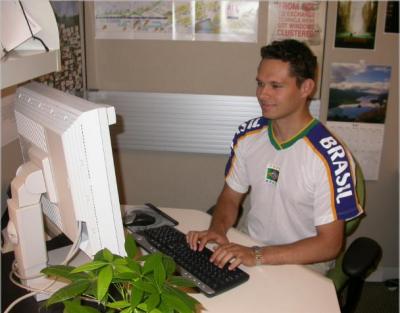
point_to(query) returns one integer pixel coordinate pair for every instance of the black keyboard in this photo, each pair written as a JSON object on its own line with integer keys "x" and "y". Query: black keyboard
{"x": 195, "y": 265}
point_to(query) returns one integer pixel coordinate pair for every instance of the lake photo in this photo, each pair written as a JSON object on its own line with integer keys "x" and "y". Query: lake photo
{"x": 358, "y": 93}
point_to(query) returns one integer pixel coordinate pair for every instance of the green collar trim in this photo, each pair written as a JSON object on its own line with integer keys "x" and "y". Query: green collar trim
{"x": 302, "y": 133}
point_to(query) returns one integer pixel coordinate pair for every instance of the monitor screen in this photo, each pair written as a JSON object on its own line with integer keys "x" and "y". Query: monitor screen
{"x": 68, "y": 171}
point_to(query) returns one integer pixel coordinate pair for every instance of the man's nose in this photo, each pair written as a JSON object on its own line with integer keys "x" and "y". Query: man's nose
{"x": 265, "y": 92}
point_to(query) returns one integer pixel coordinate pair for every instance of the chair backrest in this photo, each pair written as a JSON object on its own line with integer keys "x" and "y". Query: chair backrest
{"x": 336, "y": 274}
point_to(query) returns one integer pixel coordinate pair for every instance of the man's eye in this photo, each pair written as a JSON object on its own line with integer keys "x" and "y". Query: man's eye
{"x": 260, "y": 84}
{"x": 275, "y": 86}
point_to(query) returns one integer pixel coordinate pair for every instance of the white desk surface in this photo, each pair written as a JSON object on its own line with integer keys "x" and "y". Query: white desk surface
{"x": 271, "y": 288}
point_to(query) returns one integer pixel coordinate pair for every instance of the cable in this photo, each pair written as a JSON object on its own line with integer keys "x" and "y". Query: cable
{"x": 19, "y": 300}
{"x": 34, "y": 291}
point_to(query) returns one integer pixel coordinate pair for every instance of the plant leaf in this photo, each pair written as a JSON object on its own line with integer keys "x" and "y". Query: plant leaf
{"x": 118, "y": 304}
{"x": 169, "y": 265}
{"x": 146, "y": 287}
{"x": 58, "y": 271}
{"x": 98, "y": 256}
{"x": 90, "y": 266}
{"x": 136, "y": 297}
{"x": 152, "y": 301}
{"x": 130, "y": 246}
{"x": 127, "y": 310}
{"x": 76, "y": 307}
{"x": 159, "y": 272}
{"x": 176, "y": 303}
{"x": 165, "y": 308}
{"x": 180, "y": 281}
{"x": 184, "y": 297}
{"x": 134, "y": 266}
{"x": 122, "y": 268}
{"x": 124, "y": 277}
{"x": 103, "y": 281}
{"x": 107, "y": 255}
{"x": 120, "y": 261}
{"x": 76, "y": 288}
{"x": 64, "y": 272}
{"x": 154, "y": 260}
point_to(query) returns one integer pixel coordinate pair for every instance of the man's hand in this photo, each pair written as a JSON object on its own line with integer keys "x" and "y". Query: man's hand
{"x": 197, "y": 240}
{"x": 234, "y": 253}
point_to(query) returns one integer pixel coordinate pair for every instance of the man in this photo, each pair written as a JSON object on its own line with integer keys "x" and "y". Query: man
{"x": 302, "y": 179}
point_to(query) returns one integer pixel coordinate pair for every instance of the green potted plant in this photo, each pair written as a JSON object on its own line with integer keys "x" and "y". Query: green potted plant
{"x": 128, "y": 284}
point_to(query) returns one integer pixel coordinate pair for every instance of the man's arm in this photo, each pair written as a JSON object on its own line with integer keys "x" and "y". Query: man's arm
{"x": 227, "y": 210}
{"x": 224, "y": 216}
{"x": 326, "y": 245}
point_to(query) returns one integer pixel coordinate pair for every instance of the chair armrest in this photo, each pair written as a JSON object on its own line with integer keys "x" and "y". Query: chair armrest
{"x": 362, "y": 255}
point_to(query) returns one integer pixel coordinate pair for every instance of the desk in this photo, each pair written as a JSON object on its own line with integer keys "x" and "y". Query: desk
{"x": 271, "y": 288}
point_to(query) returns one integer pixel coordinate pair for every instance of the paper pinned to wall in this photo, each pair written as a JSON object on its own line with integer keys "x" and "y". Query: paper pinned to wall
{"x": 358, "y": 99}
{"x": 300, "y": 20}
{"x": 178, "y": 20}
{"x": 365, "y": 141}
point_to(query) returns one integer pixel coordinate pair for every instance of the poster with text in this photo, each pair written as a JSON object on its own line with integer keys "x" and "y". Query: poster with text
{"x": 301, "y": 20}
{"x": 356, "y": 24}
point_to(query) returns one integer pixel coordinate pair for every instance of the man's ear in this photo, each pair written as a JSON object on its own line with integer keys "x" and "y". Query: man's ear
{"x": 307, "y": 88}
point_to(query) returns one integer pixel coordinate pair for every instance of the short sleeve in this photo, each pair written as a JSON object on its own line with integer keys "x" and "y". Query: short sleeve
{"x": 236, "y": 174}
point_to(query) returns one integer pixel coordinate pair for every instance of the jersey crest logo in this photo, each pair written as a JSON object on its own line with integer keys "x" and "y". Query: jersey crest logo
{"x": 272, "y": 174}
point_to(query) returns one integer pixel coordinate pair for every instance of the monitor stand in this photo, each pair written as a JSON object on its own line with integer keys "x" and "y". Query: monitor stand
{"x": 26, "y": 231}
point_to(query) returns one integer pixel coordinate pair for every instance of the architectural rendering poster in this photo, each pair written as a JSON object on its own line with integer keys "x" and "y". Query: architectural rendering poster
{"x": 356, "y": 24}
{"x": 358, "y": 99}
{"x": 392, "y": 17}
{"x": 301, "y": 20}
{"x": 177, "y": 20}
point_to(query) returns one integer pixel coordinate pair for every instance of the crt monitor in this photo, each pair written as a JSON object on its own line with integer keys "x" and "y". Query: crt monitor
{"x": 67, "y": 174}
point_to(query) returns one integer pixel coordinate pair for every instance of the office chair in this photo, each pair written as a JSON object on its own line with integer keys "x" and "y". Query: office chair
{"x": 360, "y": 259}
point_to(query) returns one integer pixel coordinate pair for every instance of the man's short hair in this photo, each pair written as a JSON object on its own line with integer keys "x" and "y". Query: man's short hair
{"x": 302, "y": 61}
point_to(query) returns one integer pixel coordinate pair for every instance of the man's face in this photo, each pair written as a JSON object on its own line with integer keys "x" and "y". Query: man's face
{"x": 277, "y": 92}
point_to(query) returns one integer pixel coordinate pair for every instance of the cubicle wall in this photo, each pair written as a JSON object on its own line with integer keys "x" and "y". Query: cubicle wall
{"x": 187, "y": 179}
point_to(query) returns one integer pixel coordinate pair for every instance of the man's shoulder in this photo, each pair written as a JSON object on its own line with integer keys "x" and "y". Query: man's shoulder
{"x": 251, "y": 126}
{"x": 320, "y": 135}
{"x": 318, "y": 132}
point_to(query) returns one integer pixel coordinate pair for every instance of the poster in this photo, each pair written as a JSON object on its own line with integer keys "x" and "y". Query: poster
{"x": 358, "y": 92}
{"x": 133, "y": 20}
{"x": 392, "y": 17}
{"x": 358, "y": 100}
{"x": 356, "y": 24}
{"x": 226, "y": 20}
{"x": 177, "y": 20}
{"x": 301, "y": 20}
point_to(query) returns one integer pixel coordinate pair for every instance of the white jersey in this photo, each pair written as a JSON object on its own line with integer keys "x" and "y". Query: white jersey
{"x": 295, "y": 186}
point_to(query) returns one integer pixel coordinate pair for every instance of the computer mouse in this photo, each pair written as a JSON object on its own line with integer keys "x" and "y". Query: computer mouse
{"x": 139, "y": 219}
